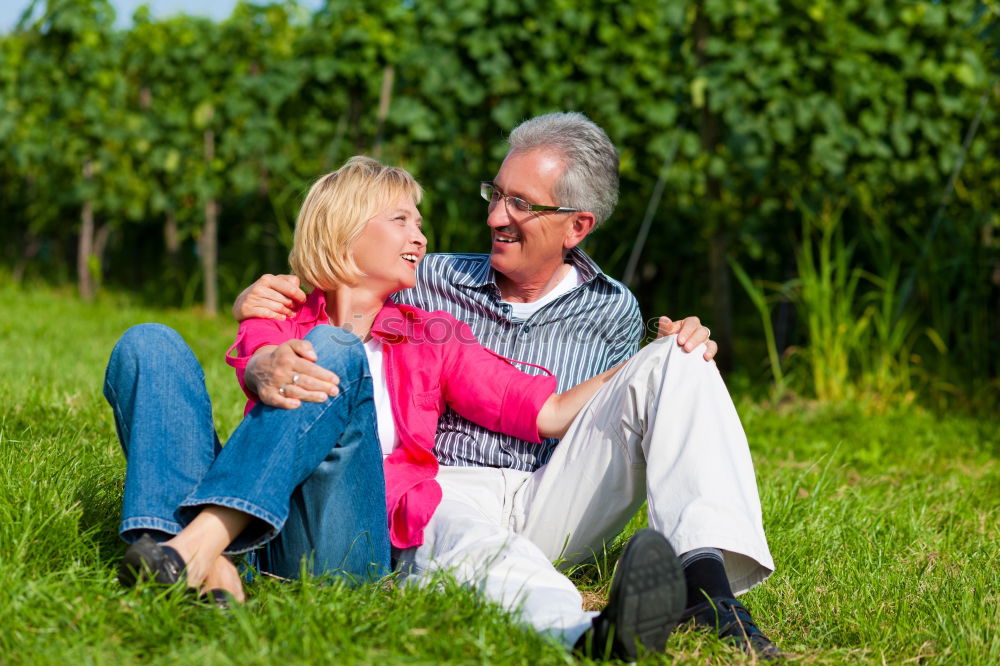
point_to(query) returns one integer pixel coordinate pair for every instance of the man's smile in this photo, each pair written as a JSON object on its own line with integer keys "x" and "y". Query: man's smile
{"x": 504, "y": 237}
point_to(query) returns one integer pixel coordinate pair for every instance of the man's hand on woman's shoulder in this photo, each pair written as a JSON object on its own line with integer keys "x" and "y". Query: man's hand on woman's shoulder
{"x": 690, "y": 333}
{"x": 270, "y": 297}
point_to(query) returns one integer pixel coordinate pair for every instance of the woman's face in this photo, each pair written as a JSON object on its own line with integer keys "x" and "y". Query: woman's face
{"x": 390, "y": 247}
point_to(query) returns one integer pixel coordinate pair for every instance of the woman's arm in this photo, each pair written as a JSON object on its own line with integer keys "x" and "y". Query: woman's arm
{"x": 489, "y": 390}
{"x": 560, "y": 409}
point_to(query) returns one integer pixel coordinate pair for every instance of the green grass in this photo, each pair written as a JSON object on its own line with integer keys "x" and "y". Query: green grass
{"x": 884, "y": 529}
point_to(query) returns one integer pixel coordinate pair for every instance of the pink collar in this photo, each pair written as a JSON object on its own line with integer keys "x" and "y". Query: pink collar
{"x": 391, "y": 326}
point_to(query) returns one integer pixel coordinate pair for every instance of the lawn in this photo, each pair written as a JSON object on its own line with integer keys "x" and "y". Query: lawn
{"x": 883, "y": 527}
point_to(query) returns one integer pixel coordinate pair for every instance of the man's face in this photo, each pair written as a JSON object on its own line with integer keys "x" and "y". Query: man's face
{"x": 529, "y": 245}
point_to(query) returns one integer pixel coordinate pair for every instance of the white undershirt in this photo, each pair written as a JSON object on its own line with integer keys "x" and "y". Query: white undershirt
{"x": 571, "y": 280}
{"x": 380, "y": 390}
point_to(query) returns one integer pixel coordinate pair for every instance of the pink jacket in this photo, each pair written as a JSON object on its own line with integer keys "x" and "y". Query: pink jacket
{"x": 431, "y": 360}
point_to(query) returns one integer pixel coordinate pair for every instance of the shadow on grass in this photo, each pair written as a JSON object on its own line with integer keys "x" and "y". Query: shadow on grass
{"x": 99, "y": 497}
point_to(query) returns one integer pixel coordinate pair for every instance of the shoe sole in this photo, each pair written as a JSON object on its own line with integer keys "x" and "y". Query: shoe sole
{"x": 647, "y": 596}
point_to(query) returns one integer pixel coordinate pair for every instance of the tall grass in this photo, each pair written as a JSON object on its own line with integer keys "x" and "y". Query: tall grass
{"x": 825, "y": 293}
{"x": 859, "y": 339}
{"x": 758, "y": 291}
{"x": 886, "y": 363}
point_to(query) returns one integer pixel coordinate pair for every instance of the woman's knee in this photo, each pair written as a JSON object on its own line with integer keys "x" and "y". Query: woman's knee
{"x": 145, "y": 345}
{"x": 337, "y": 348}
{"x": 142, "y": 339}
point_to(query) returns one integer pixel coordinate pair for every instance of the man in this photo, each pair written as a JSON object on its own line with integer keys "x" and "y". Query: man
{"x": 663, "y": 430}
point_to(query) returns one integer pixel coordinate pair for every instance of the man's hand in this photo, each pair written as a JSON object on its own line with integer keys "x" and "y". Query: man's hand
{"x": 270, "y": 297}
{"x": 285, "y": 375}
{"x": 690, "y": 334}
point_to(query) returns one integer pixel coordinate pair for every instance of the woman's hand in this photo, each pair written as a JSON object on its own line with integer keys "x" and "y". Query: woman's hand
{"x": 559, "y": 410}
{"x": 690, "y": 333}
{"x": 270, "y": 297}
{"x": 284, "y": 375}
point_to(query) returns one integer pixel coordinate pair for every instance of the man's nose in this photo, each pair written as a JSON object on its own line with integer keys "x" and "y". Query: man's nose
{"x": 497, "y": 216}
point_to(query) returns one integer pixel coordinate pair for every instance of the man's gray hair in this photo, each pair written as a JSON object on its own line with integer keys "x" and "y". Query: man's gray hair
{"x": 590, "y": 181}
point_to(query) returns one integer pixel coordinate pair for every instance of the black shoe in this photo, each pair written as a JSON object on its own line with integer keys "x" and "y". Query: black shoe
{"x": 732, "y": 622}
{"x": 147, "y": 560}
{"x": 646, "y": 600}
{"x": 217, "y": 598}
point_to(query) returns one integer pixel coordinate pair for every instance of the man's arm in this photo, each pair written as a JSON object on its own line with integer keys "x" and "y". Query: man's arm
{"x": 285, "y": 375}
{"x": 628, "y": 333}
{"x": 270, "y": 297}
{"x": 630, "y": 329}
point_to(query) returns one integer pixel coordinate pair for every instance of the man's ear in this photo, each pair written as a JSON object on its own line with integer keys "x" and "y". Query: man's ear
{"x": 583, "y": 223}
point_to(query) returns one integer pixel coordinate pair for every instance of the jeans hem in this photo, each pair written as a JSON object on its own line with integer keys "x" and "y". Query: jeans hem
{"x": 241, "y": 544}
{"x": 147, "y": 523}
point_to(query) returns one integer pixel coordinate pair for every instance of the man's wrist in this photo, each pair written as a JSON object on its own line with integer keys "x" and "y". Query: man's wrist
{"x": 250, "y": 376}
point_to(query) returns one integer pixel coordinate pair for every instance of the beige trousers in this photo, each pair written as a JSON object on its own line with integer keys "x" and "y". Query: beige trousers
{"x": 664, "y": 431}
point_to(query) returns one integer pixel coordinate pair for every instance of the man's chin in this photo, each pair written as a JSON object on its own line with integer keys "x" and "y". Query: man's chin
{"x": 497, "y": 261}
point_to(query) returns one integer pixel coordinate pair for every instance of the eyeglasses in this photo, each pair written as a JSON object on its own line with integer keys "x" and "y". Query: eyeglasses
{"x": 493, "y": 194}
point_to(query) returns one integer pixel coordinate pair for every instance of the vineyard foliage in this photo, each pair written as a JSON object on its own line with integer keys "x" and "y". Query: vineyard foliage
{"x": 171, "y": 156}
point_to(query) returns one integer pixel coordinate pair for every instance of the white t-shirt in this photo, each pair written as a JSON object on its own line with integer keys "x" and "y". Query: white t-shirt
{"x": 525, "y": 310}
{"x": 383, "y": 407}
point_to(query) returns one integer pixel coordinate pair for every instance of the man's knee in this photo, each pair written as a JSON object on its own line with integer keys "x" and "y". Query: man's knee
{"x": 664, "y": 358}
{"x": 667, "y": 348}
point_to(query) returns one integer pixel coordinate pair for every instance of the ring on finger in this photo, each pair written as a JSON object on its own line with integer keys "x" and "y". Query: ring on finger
{"x": 295, "y": 379}
{"x": 281, "y": 389}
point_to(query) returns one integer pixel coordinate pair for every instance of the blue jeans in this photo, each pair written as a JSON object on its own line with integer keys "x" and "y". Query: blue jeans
{"x": 311, "y": 478}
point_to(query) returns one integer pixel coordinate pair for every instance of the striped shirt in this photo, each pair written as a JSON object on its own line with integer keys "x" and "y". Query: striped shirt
{"x": 583, "y": 332}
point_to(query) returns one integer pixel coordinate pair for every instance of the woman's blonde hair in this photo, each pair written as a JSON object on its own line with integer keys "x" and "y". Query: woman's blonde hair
{"x": 335, "y": 213}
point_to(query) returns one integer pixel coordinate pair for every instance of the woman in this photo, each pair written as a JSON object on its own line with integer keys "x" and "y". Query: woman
{"x": 308, "y": 481}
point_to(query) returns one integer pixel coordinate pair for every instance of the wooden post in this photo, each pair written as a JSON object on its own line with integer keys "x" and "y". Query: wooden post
{"x": 208, "y": 243}
{"x": 171, "y": 237}
{"x": 388, "y": 76}
{"x": 85, "y": 245}
{"x": 719, "y": 285}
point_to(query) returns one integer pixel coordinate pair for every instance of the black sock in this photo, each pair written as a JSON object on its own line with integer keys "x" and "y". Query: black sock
{"x": 706, "y": 578}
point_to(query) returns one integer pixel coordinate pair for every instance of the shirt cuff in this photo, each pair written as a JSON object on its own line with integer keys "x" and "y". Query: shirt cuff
{"x": 521, "y": 404}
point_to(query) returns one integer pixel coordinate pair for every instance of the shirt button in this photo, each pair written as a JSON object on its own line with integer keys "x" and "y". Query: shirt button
{"x": 526, "y": 329}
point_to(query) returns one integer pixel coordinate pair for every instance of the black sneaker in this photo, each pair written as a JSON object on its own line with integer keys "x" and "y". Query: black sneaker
{"x": 147, "y": 560}
{"x": 732, "y": 622}
{"x": 646, "y": 600}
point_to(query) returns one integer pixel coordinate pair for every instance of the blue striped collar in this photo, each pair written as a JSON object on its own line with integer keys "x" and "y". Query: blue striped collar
{"x": 482, "y": 273}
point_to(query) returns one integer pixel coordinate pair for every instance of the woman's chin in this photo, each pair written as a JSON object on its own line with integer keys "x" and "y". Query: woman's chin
{"x": 391, "y": 284}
